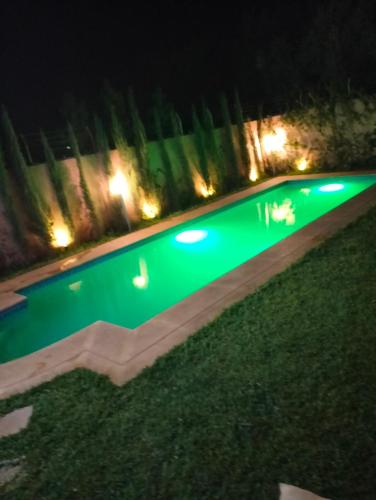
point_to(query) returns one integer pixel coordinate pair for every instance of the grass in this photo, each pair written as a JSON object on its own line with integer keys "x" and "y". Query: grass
{"x": 280, "y": 388}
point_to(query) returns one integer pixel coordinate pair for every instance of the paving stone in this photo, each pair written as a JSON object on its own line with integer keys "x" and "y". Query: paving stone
{"x": 15, "y": 421}
{"x": 9, "y": 469}
{"x": 289, "y": 492}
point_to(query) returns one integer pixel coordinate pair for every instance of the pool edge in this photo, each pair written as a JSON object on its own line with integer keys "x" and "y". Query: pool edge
{"x": 126, "y": 352}
{"x": 59, "y": 267}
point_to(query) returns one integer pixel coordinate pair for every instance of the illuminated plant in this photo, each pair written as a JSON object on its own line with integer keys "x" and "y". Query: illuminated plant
{"x": 200, "y": 145}
{"x": 118, "y": 134}
{"x": 7, "y": 199}
{"x": 117, "y": 220}
{"x": 85, "y": 190}
{"x": 120, "y": 192}
{"x": 188, "y": 191}
{"x": 171, "y": 200}
{"x": 39, "y": 223}
{"x": 145, "y": 174}
{"x": 242, "y": 137}
{"x": 254, "y": 145}
{"x": 102, "y": 145}
{"x": 216, "y": 160}
{"x": 258, "y": 141}
{"x": 56, "y": 176}
{"x": 232, "y": 172}
{"x": 253, "y": 174}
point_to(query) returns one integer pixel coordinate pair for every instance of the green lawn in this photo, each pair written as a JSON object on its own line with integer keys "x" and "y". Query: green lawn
{"x": 280, "y": 388}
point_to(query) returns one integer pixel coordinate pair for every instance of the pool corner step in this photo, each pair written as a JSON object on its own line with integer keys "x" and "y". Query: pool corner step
{"x": 10, "y": 301}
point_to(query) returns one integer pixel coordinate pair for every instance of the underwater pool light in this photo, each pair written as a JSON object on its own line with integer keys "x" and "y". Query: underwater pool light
{"x": 330, "y": 188}
{"x": 192, "y": 236}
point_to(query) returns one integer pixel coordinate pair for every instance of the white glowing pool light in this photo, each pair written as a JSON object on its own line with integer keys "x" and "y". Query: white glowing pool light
{"x": 192, "y": 236}
{"x": 329, "y": 188}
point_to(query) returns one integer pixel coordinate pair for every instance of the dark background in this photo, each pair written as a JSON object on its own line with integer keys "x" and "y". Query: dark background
{"x": 273, "y": 52}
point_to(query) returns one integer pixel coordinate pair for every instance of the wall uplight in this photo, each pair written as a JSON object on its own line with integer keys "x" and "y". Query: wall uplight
{"x": 302, "y": 164}
{"x": 193, "y": 236}
{"x": 329, "y": 188}
{"x": 207, "y": 191}
{"x": 149, "y": 210}
{"x": 253, "y": 176}
{"x": 61, "y": 237}
{"x": 275, "y": 142}
{"x": 118, "y": 185}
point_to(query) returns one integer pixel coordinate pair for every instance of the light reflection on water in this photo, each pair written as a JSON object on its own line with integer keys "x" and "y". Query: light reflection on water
{"x": 142, "y": 280}
{"x": 130, "y": 287}
{"x": 283, "y": 212}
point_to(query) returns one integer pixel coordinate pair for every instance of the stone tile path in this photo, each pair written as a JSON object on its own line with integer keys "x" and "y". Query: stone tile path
{"x": 14, "y": 422}
{"x": 289, "y": 492}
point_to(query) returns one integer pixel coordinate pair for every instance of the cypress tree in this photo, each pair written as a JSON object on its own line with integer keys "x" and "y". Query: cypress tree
{"x": 160, "y": 105}
{"x": 118, "y": 209}
{"x": 264, "y": 162}
{"x": 259, "y": 130}
{"x": 118, "y": 135}
{"x": 39, "y": 222}
{"x": 200, "y": 144}
{"x": 114, "y": 107}
{"x": 242, "y": 137}
{"x": 102, "y": 145}
{"x": 85, "y": 191}
{"x": 7, "y": 197}
{"x": 170, "y": 183}
{"x": 232, "y": 177}
{"x": 56, "y": 177}
{"x": 140, "y": 145}
{"x": 177, "y": 143}
{"x": 121, "y": 144}
{"x": 77, "y": 114}
{"x": 255, "y": 153}
{"x": 212, "y": 147}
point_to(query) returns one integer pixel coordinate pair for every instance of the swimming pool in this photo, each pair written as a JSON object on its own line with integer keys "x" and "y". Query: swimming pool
{"x": 131, "y": 286}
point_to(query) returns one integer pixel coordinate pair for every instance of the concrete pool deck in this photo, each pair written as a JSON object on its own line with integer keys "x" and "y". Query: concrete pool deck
{"x": 121, "y": 353}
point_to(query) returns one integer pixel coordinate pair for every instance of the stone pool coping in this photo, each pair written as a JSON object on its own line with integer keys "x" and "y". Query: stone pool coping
{"x": 121, "y": 353}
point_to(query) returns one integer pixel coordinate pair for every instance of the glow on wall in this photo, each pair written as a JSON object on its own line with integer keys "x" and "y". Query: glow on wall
{"x": 61, "y": 237}
{"x": 118, "y": 185}
{"x": 275, "y": 142}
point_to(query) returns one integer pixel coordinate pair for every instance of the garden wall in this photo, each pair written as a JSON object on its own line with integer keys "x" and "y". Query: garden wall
{"x": 319, "y": 137}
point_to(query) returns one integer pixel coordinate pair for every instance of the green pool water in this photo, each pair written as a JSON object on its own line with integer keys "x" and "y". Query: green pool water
{"x": 131, "y": 286}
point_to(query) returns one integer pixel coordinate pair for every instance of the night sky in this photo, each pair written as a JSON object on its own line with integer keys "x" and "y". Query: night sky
{"x": 189, "y": 49}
